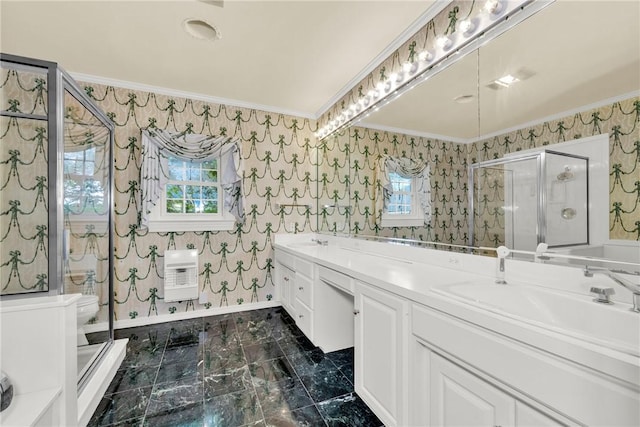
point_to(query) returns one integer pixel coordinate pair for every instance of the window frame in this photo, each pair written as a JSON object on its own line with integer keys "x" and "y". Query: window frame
{"x": 162, "y": 221}
{"x": 413, "y": 219}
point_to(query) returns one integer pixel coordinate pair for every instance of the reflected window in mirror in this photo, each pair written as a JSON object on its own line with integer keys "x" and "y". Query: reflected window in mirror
{"x": 404, "y": 208}
{"x": 83, "y": 193}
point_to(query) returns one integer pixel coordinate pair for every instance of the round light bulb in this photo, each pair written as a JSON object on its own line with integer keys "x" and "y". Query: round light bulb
{"x": 443, "y": 42}
{"x": 493, "y": 6}
{"x": 467, "y": 26}
{"x": 425, "y": 55}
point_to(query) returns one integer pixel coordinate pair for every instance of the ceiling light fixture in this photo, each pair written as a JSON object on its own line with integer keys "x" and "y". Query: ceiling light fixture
{"x": 441, "y": 48}
{"x": 201, "y": 29}
{"x": 506, "y": 81}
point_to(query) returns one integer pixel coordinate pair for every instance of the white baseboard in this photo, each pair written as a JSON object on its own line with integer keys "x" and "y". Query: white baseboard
{"x": 152, "y": 320}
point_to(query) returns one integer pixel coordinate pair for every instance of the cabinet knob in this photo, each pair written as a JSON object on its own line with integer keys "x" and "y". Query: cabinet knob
{"x": 286, "y": 279}
{"x": 300, "y": 316}
{"x": 356, "y": 312}
{"x": 300, "y": 288}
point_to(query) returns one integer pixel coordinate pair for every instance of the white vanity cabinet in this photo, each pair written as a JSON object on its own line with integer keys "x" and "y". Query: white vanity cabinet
{"x": 381, "y": 352}
{"x": 466, "y": 375}
{"x": 295, "y": 278}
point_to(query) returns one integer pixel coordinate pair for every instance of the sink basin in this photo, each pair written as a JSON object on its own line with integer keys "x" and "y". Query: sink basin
{"x": 571, "y": 314}
{"x": 303, "y": 244}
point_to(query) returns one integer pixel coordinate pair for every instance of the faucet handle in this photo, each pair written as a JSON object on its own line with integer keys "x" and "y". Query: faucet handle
{"x": 602, "y": 294}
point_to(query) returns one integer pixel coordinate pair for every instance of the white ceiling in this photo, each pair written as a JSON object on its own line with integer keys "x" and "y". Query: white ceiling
{"x": 283, "y": 56}
{"x": 582, "y": 52}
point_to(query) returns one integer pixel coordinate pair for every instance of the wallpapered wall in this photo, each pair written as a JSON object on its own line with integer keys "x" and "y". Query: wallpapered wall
{"x": 235, "y": 266}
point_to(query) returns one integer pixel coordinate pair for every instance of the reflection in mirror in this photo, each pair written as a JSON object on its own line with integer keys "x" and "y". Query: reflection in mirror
{"x": 571, "y": 78}
{"x": 348, "y": 196}
{"x": 521, "y": 201}
{"x": 86, "y": 200}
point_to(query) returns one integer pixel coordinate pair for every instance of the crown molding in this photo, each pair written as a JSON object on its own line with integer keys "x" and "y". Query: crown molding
{"x": 560, "y": 115}
{"x": 410, "y": 31}
{"x": 532, "y": 123}
{"x": 410, "y": 132}
{"x": 88, "y": 78}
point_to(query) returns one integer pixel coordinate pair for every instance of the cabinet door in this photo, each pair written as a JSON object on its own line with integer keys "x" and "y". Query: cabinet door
{"x": 526, "y": 416}
{"x": 459, "y": 398}
{"x": 286, "y": 278}
{"x": 381, "y": 327}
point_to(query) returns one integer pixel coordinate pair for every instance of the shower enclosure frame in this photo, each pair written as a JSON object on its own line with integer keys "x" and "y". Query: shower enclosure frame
{"x": 59, "y": 81}
{"x": 541, "y": 182}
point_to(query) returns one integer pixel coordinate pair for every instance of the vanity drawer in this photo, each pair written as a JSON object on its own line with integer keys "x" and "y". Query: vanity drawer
{"x": 285, "y": 259}
{"x": 338, "y": 280}
{"x": 304, "y": 267}
{"x": 304, "y": 290}
{"x": 304, "y": 318}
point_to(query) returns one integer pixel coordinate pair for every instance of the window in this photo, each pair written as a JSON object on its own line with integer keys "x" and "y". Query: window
{"x": 404, "y": 208}
{"x": 192, "y": 188}
{"x": 192, "y": 199}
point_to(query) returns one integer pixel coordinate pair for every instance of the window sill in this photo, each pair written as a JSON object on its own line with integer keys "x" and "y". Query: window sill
{"x": 402, "y": 222}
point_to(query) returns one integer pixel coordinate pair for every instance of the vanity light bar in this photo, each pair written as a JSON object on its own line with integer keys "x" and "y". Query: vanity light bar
{"x": 490, "y": 16}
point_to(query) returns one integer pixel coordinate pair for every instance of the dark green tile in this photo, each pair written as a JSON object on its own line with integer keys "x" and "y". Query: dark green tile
{"x": 233, "y": 410}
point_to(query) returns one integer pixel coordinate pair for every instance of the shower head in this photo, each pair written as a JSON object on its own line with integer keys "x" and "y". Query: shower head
{"x": 566, "y": 175}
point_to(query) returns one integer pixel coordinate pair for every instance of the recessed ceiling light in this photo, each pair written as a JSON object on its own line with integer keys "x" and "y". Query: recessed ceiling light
{"x": 201, "y": 29}
{"x": 463, "y": 99}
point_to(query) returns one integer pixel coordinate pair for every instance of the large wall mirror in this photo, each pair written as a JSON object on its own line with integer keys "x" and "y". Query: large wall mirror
{"x": 566, "y": 79}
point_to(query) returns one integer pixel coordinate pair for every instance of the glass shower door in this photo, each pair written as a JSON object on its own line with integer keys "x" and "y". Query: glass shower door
{"x": 86, "y": 208}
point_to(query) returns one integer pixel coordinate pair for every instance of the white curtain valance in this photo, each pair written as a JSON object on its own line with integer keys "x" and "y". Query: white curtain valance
{"x": 158, "y": 145}
{"x": 406, "y": 168}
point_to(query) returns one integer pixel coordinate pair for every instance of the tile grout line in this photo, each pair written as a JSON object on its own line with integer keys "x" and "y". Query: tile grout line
{"x": 253, "y": 387}
{"x": 315, "y": 405}
{"x": 153, "y": 386}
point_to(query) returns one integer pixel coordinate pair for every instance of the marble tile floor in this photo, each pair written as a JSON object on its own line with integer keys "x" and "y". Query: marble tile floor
{"x": 254, "y": 368}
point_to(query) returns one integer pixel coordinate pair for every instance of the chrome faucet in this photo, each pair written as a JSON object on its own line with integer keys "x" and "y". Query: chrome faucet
{"x": 502, "y": 252}
{"x": 321, "y": 242}
{"x": 614, "y": 275}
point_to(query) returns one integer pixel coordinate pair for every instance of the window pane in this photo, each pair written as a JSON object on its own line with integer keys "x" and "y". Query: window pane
{"x": 210, "y": 193}
{"x": 174, "y": 206}
{"x": 174, "y": 191}
{"x": 210, "y": 164}
{"x": 193, "y": 191}
{"x": 176, "y": 169}
{"x": 194, "y": 173}
{"x": 210, "y": 206}
{"x": 190, "y": 206}
{"x": 209, "y": 175}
